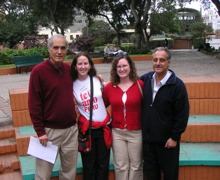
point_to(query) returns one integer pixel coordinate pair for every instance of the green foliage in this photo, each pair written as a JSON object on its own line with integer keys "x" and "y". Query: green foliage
{"x": 198, "y": 43}
{"x": 115, "y": 12}
{"x": 133, "y": 50}
{"x": 99, "y": 41}
{"x": 184, "y": 22}
{"x": 162, "y": 18}
{"x": 99, "y": 30}
{"x": 54, "y": 14}
{"x": 15, "y": 22}
{"x": 199, "y": 30}
{"x": 7, "y": 54}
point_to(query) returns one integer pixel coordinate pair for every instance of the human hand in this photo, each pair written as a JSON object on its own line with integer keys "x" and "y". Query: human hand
{"x": 101, "y": 79}
{"x": 43, "y": 140}
{"x": 170, "y": 143}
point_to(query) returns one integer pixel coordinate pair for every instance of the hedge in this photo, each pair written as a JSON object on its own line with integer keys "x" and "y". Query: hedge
{"x": 7, "y": 54}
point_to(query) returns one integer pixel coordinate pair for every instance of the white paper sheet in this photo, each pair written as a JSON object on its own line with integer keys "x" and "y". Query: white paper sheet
{"x": 36, "y": 149}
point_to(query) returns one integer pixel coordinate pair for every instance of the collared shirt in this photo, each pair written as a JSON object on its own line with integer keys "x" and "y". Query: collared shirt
{"x": 156, "y": 86}
{"x": 60, "y": 68}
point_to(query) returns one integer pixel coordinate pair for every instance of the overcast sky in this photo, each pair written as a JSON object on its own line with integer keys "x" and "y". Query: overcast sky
{"x": 198, "y": 6}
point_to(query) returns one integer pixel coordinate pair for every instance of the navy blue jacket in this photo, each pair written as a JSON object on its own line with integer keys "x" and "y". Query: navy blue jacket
{"x": 167, "y": 116}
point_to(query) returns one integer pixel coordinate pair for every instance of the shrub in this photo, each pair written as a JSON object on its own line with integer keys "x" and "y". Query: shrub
{"x": 83, "y": 43}
{"x": 7, "y": 54}
{"x": 99, "y": 41}
{"x": 133, "y": 50}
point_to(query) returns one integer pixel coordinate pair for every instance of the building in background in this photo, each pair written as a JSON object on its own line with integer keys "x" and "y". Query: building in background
{"x": 75, "y": 30}
{"x": 212, "y": 18}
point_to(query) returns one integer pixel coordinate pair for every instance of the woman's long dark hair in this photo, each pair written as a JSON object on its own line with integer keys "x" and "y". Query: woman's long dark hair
{"x": 74, "y": 72}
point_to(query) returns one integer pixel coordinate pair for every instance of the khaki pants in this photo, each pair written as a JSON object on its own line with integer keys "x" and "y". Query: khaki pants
{"x": 127, "y": 151}
{"x": 67, "y": 142}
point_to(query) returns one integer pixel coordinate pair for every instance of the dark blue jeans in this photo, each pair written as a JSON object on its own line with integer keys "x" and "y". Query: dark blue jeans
{"x": 96, "y": 162}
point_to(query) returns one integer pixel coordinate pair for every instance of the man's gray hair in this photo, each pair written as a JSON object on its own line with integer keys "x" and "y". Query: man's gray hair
{"x": 163, "y": 49}
{"x": 50, "y": 40}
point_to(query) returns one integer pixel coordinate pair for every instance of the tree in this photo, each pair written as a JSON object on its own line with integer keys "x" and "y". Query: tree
{"x": 163, "y": 19}
{"x": 157, "y": 15}
{"x": 200, "y": 30}
{"x": 118, "y": 10}
{"x": 113, "y": 10}
{"x": 54, "y": 14}
{"x": 16, "y": 22}
{"x": 140, "y": 11}
{"x": 185, "y": 18}
{"x": 99, "y": 30}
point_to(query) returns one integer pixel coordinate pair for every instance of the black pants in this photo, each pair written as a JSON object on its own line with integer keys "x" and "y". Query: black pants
{"x": 96, "y": 162}
{"x": 159, "y": 159}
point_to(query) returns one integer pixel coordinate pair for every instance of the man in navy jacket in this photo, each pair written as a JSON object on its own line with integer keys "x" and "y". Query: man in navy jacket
{"x": 164, "y": 118}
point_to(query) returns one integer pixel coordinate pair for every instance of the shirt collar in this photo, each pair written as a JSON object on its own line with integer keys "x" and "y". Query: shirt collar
{"x": 59, "y": 68}
{"x": 164, "y": 80}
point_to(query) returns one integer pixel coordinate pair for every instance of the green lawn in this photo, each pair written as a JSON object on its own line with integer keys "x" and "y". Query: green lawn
{"x": 7, "y": 66}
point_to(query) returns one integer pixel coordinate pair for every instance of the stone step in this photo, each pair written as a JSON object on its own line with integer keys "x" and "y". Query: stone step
{"x": 8, "y": 146}
{"x": 202, "y": 128}
{"x": 203, "y": 90}
{"x": 15, "y": 175}
{"x": 22, "y": 135}
{"x": 204, "y": 106}
{"x": 9, "y": 162}
{"x": 197, "y": 162}
{"x": 27, "y": 164}
{"x": 7, "y": 132}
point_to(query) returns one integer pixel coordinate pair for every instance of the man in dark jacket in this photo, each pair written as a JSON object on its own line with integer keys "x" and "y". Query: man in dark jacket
{"x": 164, "y": 118}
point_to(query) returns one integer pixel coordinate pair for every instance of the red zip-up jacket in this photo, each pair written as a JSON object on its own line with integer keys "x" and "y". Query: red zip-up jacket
{"x": 112, "y": 95}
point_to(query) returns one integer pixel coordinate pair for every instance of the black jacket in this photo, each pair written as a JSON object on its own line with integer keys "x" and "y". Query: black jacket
{"x": 167, "y": 116}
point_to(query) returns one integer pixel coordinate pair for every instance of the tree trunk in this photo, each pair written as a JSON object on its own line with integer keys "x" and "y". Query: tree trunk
{"x": 139, "y": 33}
{"x": 56, "y": 29}
{"x": 118, "y": 39}
{"x": 138, "y": 42}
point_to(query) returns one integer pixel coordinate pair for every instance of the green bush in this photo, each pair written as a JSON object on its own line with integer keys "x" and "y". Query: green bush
{"x": 99, "y": 41}
{"x": 7, "y": 54}
{"x": 133, "y": 50}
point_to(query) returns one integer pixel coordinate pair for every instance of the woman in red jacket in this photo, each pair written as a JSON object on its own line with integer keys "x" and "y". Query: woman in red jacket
{"x": 124, "y": 94}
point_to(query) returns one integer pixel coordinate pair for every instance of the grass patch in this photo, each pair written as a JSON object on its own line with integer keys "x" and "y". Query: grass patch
{"x": 7, "y": 66}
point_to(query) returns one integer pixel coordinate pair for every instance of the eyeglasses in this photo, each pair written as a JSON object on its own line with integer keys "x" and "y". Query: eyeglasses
{"x": 122, "y": 66}
{"x": 63, "y": 48}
